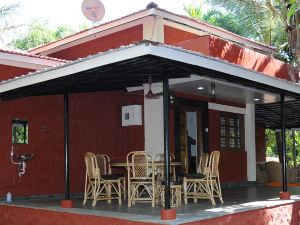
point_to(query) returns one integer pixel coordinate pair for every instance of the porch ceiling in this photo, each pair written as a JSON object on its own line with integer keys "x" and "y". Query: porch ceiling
{"x": 130, "y": 66}
{"x": 269, "y": 115}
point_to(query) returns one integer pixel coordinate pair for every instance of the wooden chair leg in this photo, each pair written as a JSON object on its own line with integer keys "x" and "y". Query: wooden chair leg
{"x": 129, "y": 195}
{"x": 185, "y": 190}
{"x": 124, "y": 188}
{"x": 95, "y": 194}
{"x": 119, "y": 192}
{"x": 153, "y": 194}
{"x": 211, "y": 192}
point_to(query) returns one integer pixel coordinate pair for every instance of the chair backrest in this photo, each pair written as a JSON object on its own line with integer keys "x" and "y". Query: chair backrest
{"x": 213, "y": 163}
{"x": 92, "y": 169}
{"x": 129, "y": 159}
{"x": 103, "y": 162}
{"x": 141, "y": 164}
{"x": 161, "y": 157}
{"x": 203, "y": 163}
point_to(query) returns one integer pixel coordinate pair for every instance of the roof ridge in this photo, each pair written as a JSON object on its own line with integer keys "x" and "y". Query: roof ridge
{"x": 163, "y": 10}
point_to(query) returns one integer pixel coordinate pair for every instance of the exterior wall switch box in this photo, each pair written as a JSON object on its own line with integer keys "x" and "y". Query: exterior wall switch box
{"x": 131, "y": 115}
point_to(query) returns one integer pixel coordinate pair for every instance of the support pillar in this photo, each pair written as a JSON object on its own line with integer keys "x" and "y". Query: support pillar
{"x": 167, "y": 213}
{"x": 66, "y": 203}
{"x": 250, "y": 145}
{"x": 284, "y": 194}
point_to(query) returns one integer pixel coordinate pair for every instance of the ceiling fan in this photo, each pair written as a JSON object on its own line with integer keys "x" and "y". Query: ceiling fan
{"x": 150, "y": 94}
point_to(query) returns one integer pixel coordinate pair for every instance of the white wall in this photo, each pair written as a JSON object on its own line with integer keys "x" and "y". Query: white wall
{"x": 154, "y": 122}
{"x": 250, "y": 146}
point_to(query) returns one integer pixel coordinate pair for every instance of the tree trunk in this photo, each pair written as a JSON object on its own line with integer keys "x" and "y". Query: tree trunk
{"x": 294, "y": 149}
{"x": 297, "y": 23}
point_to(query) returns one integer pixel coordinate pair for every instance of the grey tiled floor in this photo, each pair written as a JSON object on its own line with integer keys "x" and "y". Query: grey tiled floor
{"x": 235, "y": 200}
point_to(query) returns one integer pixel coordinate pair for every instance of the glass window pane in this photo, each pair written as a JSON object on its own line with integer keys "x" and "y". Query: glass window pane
{"x": 223, "y": 131}
{"x": 237, "y": 122}
{"x": 232, "y": 143}
{"x": 232, "y": 132}
{"x": 223, "y": 142}
{"x": 223, "y": 121}
{"x": 231, "y": 122}
{"x": 238, "y": 143}
{"x": 19, "y": 131}
{"x": 238, "y": 132}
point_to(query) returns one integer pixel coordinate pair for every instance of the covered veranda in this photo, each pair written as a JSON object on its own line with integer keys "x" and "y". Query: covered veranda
{"x": 131, "y": 66}
{"x": 255, "y": 204}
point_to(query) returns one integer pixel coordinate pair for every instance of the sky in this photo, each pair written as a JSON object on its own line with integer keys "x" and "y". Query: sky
{"x": 68, "y": 12}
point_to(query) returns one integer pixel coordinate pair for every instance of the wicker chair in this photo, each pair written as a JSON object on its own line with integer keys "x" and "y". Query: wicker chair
{"x": 175, "y": 186}
{"x": 103, "y": 161}
{"x": 97, "y": 186}
{"x": 203, "y": 161}
{"x": 175, "y": 193}
{"x": 160, "y": 171}
{"x": 141, "y": 182}
{"x": 206, "y": 185}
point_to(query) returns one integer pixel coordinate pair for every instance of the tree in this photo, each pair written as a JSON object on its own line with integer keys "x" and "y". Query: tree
{"x": 6, "y": 21}
{"x": 40, "y": 33}
{"x": 292, "y": 143}
{"x": 263, "y": 21}
{"x": 215, "y": 17}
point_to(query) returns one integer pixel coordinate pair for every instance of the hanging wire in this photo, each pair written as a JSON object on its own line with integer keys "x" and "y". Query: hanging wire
{"x": 213, "y": 90}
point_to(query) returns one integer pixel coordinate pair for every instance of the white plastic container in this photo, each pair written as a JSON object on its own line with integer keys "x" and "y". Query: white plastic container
{"x": 8, "y": 197}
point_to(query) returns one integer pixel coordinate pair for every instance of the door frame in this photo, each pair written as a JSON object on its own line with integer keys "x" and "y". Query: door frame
{"x": 201, "y": 108}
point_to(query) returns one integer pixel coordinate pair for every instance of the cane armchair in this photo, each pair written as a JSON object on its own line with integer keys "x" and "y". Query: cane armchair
{"x": 141, "y": 179}
{"x": 206, "y": 185}
{"x": 160, "y": 170}
{"x": 104, "y": 165}
{"x": 97, "y": 186}
{"x": 203, "y": 161}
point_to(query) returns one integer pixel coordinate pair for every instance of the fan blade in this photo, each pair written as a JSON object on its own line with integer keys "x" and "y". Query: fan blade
{"x": 151, "y": 95}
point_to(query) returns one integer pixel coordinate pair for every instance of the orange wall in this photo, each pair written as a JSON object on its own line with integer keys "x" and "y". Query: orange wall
{"x": 233, "y": 163}
{"x": 247, "y": 58}
{"x": 260, "y": 139}
{"x": 102, "y": 44}
{"x": 173, "y": 35}
{"x": 95, "y": 125}
{"x": 216, "y": 47}
{"x": 14, "y": 215}
{"x": 8, "y": 72}
{"x": 199, "y": 44}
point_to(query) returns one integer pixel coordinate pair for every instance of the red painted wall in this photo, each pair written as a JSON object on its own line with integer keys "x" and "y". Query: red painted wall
{"x": 216, "y": 47}
{"x": 8, "y": 72}
{"x": 199, "y": 44}
{"x": 260, "y": 139}
{"x": 102, "y": 44}
{"x": 10, "y": 215}
{"x": 247, "y": 58}
{"x": 95, "y": 125}
{"x": 233, "y": 163}
{"x": 278, "y": 215}
{"x": 173, "y": 35}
